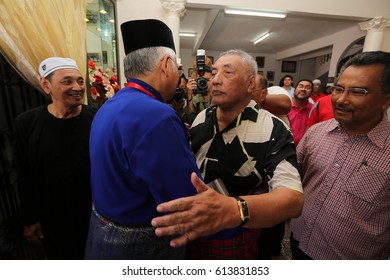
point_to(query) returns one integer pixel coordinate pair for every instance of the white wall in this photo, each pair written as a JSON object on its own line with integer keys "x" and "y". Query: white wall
{"x": 130, "y": 10}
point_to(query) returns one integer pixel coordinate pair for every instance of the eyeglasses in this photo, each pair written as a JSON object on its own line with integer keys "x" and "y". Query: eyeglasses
{"x": 304, "y": 87}
{"x": 350, "y": 91}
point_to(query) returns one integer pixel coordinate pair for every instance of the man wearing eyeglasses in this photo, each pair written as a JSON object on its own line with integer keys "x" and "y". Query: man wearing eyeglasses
{"x": 344, "y": 163}
{"x": 300, "y": 109}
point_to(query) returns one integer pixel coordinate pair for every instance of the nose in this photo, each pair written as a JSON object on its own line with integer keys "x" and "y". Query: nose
{"x": 342, "y": 98}
{"x": 77, "y": 87}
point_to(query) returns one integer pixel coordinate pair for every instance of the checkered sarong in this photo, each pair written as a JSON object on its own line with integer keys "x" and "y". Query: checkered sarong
{"x": 240, "y": 247}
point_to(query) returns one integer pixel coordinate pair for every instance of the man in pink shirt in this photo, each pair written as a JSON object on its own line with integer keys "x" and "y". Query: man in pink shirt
{"x": 300, "y": 109}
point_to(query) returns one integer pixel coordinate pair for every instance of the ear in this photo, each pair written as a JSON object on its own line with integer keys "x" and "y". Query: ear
{"x": 45, "y": 85}
{"x": 386, "y": 103}
{"x": 164, "y": 65}
{"x": 251, "y": 83}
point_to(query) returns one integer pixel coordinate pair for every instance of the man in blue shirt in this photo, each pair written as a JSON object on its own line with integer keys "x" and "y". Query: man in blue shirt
{"x": 140, "y": 153}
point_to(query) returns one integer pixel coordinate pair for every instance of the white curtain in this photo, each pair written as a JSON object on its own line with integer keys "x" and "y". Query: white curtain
{"x": 32, "y": 30}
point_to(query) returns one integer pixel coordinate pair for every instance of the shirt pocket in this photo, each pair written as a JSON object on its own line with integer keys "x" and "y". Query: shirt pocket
{"x": 367, "y": 191}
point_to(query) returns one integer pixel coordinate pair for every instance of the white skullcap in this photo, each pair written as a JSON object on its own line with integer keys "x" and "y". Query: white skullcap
{"x": 316, "y": 81}
{"x": 51, "y": 64}
{"x": 277, "y": 90}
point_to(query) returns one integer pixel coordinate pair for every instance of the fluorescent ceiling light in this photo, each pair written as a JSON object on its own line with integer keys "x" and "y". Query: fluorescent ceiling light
{"x": 187, "y": 34}
{"x": 254, "y": 13}
{"x": 261, "y": 38}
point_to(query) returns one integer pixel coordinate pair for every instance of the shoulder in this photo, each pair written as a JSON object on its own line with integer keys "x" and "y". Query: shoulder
{"x": 275, "y": 90}
{"x": 89, "y": 110}
{"x": 31, "y": 114}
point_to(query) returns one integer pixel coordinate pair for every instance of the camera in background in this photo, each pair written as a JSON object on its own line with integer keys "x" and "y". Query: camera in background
{"x": 179, "y": 96}
{"x": 201, "y": 82}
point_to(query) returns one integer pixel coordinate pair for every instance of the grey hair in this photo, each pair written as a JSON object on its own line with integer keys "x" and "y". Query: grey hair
{"x": 246, "y": 58}
{"x": 143, "y": 61}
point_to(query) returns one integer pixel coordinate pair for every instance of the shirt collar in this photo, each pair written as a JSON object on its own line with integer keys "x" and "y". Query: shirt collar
{"x": 378, "y": 135}
{"x": 148, "y": 87}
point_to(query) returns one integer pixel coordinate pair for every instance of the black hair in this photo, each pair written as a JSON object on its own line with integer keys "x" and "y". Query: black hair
{"x": 281, "y": 84}
{"x": 306, "y": 80}
{"x": 371, "y": 58}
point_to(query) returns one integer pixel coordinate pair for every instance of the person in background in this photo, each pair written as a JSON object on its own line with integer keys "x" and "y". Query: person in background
{"x": 52, "y": 151}
{"x": 321, "y": 111}
{"x": 287, "y": 82}
{"x": 328, "y": 90}
{"x": 179, "y": 102}
{"x": 245, "y": 153}
{"x": 274, "y": 99}
{"x": 279, "y": 101}
{"x": 345, "y": 169}
{"x": 316, "y": 94}
{"x": 197, "y": 102}
{"x": 139, "y": 150}
{"x": 300, "y": 109}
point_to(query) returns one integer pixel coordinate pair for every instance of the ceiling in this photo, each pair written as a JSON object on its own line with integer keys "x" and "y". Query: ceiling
{"x": 217, "y": 31}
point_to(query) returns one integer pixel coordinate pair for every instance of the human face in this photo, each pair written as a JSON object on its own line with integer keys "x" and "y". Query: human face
{"x": 171, "y": 71}
{"x": 303, "y": 90}
{"x": 360, "y": 114}
{"x": 287, "y": 82}
{"x": 182, "y": 83}
{"x": 316, "y": 87}
{"x": 232, "y": 83}
{"x": 65, "y": 86}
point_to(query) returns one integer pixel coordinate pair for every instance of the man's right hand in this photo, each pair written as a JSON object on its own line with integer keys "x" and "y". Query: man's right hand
{"x": 33, "y": 233}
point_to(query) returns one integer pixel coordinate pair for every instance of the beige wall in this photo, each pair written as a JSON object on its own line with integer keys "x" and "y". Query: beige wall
{"x": 130, "y": 9}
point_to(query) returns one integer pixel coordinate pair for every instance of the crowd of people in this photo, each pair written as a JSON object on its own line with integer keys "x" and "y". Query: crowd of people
{"x": 162, "y": 171}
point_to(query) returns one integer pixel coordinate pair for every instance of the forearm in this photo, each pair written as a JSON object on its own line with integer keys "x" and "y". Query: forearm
{"x": 277, "y": 104}
{"x": 269, "y": 209}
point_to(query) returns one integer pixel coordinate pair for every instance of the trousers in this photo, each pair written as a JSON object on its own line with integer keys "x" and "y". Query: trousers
{"x": 109, "y": 241}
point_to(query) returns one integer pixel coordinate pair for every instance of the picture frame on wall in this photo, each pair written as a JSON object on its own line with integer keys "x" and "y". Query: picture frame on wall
{"x": 105, "y": 57}
{"x": 270, "y": 76}
{"x": 289, "y": 66}
{"x": 95, "y": 57}
{"x": 190, "y": 72}
{"x": 260, "y": 61}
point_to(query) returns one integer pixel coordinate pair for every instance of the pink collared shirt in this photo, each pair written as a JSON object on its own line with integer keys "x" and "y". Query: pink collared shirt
{"x": 346, "y": 183}
{"x": 298, "y": 118}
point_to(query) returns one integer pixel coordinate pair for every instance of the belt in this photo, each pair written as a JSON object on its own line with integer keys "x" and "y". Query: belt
{"x": 107, "y": 221}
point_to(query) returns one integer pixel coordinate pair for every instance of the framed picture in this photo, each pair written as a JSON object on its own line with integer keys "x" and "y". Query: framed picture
{"x": 260, "y": 61}
{"x": 289, "y": 66}
{"x": 95, "y": 57}
{"x": 270, "y": 76}
{"x": 190, "y": 72}
{"x": 105, "y": 57}
{"x": 211, "y": 58}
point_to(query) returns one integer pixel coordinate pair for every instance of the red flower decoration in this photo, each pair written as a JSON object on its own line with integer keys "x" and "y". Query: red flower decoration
{"x": 103, "y": 85}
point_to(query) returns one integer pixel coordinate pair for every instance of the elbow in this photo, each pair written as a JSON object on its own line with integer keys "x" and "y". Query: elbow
{"x": 298, "y": 205}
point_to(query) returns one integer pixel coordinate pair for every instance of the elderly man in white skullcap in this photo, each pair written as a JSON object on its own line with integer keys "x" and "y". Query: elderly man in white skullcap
{"x": 52, "y": 150}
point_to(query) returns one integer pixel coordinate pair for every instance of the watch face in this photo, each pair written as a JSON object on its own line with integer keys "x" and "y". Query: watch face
{"x": 245, "y": 210}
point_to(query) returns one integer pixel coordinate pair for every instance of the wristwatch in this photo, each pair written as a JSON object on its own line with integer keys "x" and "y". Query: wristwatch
{"x": 244, "y": 210}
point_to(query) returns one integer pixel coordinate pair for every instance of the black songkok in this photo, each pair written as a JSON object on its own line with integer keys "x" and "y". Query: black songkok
{"x": 139, "y": 34}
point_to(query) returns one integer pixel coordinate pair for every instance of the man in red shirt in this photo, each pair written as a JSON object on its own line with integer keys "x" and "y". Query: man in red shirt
{"x": 317, "y": 93}
{"x": 321, "y": 111}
